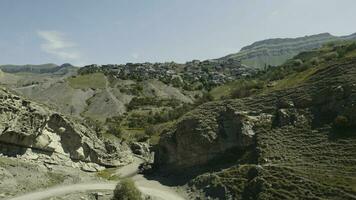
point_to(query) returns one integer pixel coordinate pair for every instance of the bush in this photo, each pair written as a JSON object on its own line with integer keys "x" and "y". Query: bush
{"x": 138, "y": 102}
{"x": 206, "y": 97}
{"x": 341, "y": 122}
{"x": 126, "y": 190}
{"x": 315, "y": 61}
{"x": 115, "y": 129}
{"x": 151, "y": 130}
{"x": 246, "y": 88}
{"x": 344, "y": 49}
{"x": 331, "y": 56}
{"x": 297, "y": 62}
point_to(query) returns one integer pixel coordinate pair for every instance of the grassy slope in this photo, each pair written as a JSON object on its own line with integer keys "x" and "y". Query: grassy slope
{"x": 95, "y": 81}
{"x": 289, "y": 74}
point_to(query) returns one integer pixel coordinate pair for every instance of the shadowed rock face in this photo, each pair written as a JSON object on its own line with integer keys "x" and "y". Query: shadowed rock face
{"x": 196, "y": 139}
{"x": 27, "y": 125}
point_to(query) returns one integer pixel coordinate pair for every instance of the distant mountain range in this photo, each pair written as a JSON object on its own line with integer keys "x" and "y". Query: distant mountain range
{"x": 38, "y": 69}
{"x": 276, "y": 51}
{"x": 259, "y": 54}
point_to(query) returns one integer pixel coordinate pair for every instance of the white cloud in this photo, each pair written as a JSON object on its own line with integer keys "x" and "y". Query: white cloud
{"x": 56, "y": 44}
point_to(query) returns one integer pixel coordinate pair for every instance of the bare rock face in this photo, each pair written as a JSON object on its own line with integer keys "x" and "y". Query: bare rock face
{"x": 25, "y": 126}
{"x": 196, "y": 140}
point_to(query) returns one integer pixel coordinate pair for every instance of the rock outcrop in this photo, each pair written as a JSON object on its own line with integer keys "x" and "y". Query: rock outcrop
{"x": 26, "y": 127}
{"x": 207, "y": 133}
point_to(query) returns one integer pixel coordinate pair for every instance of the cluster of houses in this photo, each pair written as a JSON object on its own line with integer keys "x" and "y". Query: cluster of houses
{"x": 213, "y": 72}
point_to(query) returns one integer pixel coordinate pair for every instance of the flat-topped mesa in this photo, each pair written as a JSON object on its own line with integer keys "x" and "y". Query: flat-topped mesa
{"x": 29, "y": 128}
{"x": 276, "y": 51}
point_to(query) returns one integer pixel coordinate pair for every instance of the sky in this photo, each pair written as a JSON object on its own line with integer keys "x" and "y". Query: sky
{"x": 118, "y": 31}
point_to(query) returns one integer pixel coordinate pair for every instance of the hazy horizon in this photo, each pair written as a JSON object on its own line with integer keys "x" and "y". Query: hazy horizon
{"x": 84, "y": 32}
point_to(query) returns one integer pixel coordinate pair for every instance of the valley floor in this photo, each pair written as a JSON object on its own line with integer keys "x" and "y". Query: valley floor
{"x": 20, "y": 181}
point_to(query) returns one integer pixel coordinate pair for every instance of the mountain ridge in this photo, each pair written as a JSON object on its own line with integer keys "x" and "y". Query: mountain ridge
{"x": 276, "y": 51}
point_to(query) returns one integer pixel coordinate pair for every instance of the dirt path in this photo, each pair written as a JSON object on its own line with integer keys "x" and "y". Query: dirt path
{"x": 61, "y": 190}
{"x": 148, "y": 187}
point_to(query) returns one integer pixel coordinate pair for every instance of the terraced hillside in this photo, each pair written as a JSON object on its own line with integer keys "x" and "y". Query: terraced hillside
{"x": 293, "y": 142}
{"x": 276, "y": 51}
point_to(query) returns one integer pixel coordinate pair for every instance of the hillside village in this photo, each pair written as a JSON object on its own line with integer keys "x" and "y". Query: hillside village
{"x": 208, "y": 73}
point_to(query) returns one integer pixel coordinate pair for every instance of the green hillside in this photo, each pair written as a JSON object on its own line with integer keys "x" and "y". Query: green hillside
{"x": 292, "y": 138}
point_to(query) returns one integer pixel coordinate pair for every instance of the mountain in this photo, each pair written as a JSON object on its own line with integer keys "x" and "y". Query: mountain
{"x": 40, "y": 69}
{"x": 293, "y": 138}
{"x": 276, "y": 51}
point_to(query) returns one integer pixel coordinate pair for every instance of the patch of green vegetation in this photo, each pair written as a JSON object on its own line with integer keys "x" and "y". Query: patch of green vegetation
{"x": 155, "y": 131}
{"x": 94, "y": 81}
{"x": 133, "y": 89}
{"x": 54, "y": 178}
{"x": 293, "y": 79}
{"x": 222, "y": 91}
{"x": 6, "y": 161}
{"x": 127, "y": 190}
{"x": 138, "y": 102}
{"x": 108, "y": 174}
{"x": 291, "y": 74}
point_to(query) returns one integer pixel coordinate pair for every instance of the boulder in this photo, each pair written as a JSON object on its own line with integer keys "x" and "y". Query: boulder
{"x": 141, "y": 149}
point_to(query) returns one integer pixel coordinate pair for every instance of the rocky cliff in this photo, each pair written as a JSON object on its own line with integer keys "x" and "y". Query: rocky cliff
{"x": 276, "y": 51}
{"x": 293, "y": 143}
{"x": 30, "y": 130}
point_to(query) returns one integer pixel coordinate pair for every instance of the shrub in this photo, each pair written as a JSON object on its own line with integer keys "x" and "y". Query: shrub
{"x": 126, "y": 190}
{"x": 297, "y": 62}
{"x": 206, "y": 97}
{"x": 151, "y": 130}
{"x": 315, "y": 61}
{"x": 246, "y": 88}
{"x": 351, "y": 47}
{"x": 344, "y": 49}
{"x": 116, "y": 130}
{"x": 138, "y": 102}
{"x": 331, "y": 56}
{"x": 341, "y": 122}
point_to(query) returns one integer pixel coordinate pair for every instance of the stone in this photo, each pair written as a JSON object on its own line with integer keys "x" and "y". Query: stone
{"x": 285, "y": 117}
{"x": 140, "y": 148}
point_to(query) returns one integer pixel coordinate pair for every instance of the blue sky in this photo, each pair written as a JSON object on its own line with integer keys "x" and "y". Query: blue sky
{"x": 120, "y": 31}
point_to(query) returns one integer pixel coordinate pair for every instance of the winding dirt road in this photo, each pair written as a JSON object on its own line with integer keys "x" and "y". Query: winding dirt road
{"x": 148, "y": 187}
{"x": 62, "y": 190}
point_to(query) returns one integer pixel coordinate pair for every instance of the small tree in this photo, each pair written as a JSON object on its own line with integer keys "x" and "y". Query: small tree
{"x": 126, "y": 190}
